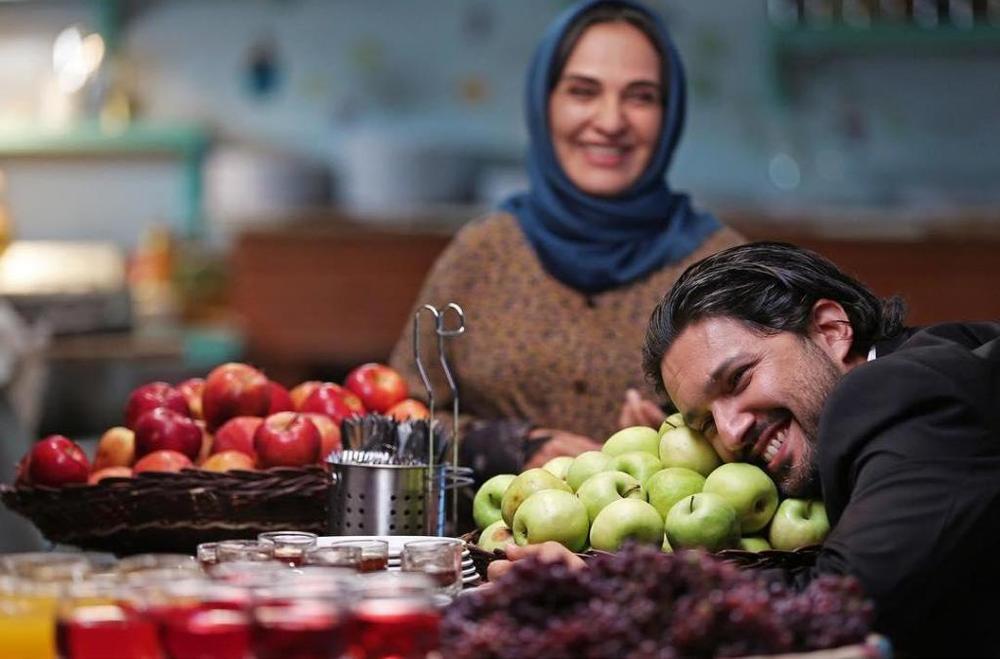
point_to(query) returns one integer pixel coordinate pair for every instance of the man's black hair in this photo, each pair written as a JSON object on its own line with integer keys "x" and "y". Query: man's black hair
{"x": 770, "y": 287}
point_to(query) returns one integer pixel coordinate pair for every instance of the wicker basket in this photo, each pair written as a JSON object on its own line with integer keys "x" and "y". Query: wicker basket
{"x": 174, "y": 512}
{"x": 771, "y": 558}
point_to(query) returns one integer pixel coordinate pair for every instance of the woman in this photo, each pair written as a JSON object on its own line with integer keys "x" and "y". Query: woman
{"x": 557, "y": 286}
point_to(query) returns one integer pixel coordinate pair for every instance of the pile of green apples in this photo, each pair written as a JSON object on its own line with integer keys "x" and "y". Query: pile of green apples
{"x": 666, "y": 487}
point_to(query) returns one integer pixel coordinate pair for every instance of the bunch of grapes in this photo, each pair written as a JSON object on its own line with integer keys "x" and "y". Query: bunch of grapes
{"x": 642, "y": 603}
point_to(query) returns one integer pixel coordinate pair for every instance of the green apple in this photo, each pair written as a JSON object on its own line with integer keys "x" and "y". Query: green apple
{"x": 638, "y": 464}
{"x": 702, "y": 520}
{"x": 797, "y": 523}
{"x": 558, "y": 466}
{"x": 684, "y": 447}
{"x": 586, "y": 465}
{"x": 626, "y": 519}
{"x": 495, "y": 536}
{"x": 749, "y": 490}
{"x": 633, "y": 438}
{"x": 668, "y": 486}
{"x": 754, "y": 543}
{"x": 523, "y": 486}
{"x": 601, "y": 489}
{"x": 486, "y": 504}
{"x": 675, "y": 420}
{"x": 552, "y": 515}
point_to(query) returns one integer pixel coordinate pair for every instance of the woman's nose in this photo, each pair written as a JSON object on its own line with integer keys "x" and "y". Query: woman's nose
{"x": 610, "y": 116}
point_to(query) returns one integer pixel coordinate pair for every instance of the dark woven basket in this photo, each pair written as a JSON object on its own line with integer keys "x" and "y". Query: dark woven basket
{"x": 771, "y": 558}
{"x": 174, "y": 512}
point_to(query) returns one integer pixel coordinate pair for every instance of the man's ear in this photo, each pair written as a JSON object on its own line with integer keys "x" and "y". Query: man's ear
{"x": 830, "y": 328}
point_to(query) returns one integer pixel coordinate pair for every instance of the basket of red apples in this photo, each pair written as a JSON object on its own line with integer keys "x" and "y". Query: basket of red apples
{"x": 229, "y": 455}
{"x": 667, "y": 488}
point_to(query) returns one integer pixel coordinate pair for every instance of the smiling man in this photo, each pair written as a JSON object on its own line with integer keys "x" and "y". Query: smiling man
{"x": 784, "y": 361}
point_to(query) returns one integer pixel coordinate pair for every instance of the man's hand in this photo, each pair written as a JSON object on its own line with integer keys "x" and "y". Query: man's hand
{"x": 550, "y": 552}
{"x": 561, "y": 443}
{"x": 638, "y": 411}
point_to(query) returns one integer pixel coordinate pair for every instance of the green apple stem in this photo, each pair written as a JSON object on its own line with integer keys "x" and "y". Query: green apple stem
{"x": 691, "y": 506}
{"x": 632, "y": 490}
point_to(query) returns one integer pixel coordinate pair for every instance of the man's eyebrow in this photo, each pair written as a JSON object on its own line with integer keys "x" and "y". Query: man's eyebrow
{"x": 720, "y": 370}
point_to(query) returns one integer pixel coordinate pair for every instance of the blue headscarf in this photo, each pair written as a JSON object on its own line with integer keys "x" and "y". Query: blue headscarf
{"x": 594, "y": 244}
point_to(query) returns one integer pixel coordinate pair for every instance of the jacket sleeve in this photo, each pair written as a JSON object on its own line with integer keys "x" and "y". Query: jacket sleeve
{"x": 908, "y": 452}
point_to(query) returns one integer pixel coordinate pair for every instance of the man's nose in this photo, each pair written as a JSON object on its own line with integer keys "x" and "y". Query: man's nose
{"x": 733, "y": 427}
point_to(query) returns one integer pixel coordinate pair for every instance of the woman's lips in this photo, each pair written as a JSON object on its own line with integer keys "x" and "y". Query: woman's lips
{"x": 602, "y": 155}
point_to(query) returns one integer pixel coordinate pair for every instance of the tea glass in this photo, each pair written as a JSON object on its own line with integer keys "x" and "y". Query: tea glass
{"x": 397, "y": 615}
{"x": 347, "y": 556}
{"x": 438, "y": 558}
{"x": 374, "y": 553}
{"x": 289, "y": 546}
{"x": 244, "y": 550}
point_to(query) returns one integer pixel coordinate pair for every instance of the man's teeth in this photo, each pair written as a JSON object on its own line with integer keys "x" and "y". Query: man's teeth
{"x": 775, "y": 444}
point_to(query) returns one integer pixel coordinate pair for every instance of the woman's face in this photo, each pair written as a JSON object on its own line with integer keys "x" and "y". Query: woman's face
{"x": 606, "y": 109}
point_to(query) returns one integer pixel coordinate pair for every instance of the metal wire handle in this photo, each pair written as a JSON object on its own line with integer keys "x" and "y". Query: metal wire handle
{"x": 444, "y": 332}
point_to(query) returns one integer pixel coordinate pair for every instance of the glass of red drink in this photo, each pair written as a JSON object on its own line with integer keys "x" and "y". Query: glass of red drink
{"x": 98, "y": 621}
{"x": 289, "y": 546}
{"x": 396, "y": 616}
{"x": 438, "y": 558}
{"x": 374, "y": 553}
{"x": 299, "y": 625}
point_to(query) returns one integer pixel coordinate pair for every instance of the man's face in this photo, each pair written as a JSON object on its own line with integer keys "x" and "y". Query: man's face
{"x": 756, "y": 398}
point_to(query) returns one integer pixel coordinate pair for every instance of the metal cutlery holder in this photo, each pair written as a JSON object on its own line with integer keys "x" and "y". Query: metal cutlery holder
{"x": 387, "y": 483}
{"x": 390, "y": 499}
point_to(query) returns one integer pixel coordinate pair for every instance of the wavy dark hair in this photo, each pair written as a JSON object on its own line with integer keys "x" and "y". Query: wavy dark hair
{"x": 770, "y": 287}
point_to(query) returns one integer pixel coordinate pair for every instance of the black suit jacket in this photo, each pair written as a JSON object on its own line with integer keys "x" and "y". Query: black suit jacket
{"x": 909, "y": 460}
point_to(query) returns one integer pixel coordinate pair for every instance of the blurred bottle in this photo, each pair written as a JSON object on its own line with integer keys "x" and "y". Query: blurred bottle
{"x": 895, "y": 11}
{"x": 6, "y": 224}
{"x": 858, "y": 13}
{"x": 151, "y": 278}
{"x": 961, "y": 13}
{"x": 930, "y": 13}
{"x": 820, "y": 13}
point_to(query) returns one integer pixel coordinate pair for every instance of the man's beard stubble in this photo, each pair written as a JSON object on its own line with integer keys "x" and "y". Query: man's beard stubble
{"x": 812, "y": 386}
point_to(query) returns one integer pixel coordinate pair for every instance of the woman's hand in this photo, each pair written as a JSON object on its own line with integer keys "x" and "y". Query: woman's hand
{"x": 560, "y": 443}
{"x": 638, "y": 411}
{"x": 550, "y": 552}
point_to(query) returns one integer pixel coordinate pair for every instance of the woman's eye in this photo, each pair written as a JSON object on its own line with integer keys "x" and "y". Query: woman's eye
{"x": 582, "y": 92}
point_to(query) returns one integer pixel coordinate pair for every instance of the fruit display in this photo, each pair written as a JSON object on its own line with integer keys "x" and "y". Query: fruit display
{"x": 640, "y": 602}
{"x": 665, "y": 487}
{"x": 234, "y": 418}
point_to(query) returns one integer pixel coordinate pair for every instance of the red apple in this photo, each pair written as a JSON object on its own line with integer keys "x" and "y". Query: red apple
{"x": 191, "y": 390}
{"x": 57, "y": 460}
{"x": 161, "y": 429}
{"x": 281, "y": 399}
{"x": 334, "y": 401}
{"x": 300, "y": 392}
{"x": 231, "y": 390}
{"x": 379, "y": 386}
{"x": 109, "y": 472}
{"x": 153, "y": 395}
{"x": 409, "y": 409}
{"x": 287, "y": 439}
{"x": 227, "y": 460}
{"x": 162, "y": 460}
{"x": 237, "y": 435}
{"x": 116, "y": 448}
{"x": 329, "y": 434}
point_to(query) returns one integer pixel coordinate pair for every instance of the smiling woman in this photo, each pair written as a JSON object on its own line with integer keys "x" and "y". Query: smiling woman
{"x": 558, "y": 283}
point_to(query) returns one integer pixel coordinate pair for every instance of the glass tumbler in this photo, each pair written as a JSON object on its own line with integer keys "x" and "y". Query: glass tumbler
{"x": 243, "y": 550}
{"x": 438, "y": 558}
{"x": 374, "y": 553}
{"x": 396, "y": 616}
{"x": 289, "y": 546}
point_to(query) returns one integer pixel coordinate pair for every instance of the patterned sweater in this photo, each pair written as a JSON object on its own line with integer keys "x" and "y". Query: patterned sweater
{"x": 534, "y": 348}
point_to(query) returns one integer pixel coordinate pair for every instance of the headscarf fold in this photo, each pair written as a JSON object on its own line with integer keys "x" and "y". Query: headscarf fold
{"x": 593, "y": 244}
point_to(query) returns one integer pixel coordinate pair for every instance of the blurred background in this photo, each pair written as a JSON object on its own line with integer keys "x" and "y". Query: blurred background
{"x": 186, "y": 182}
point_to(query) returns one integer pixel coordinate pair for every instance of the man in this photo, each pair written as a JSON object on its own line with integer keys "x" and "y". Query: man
{"x": 784, "y": 361}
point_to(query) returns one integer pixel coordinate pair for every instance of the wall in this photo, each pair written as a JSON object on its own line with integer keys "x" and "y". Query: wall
{"x": 867, "y": 129}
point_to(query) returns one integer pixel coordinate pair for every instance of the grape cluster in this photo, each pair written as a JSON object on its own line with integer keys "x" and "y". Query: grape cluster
{"x": 642, "y": 603}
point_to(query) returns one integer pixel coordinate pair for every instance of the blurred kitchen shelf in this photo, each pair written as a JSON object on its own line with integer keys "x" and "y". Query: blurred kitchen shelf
{"x": 793, "y": 45}
{"x": 187, "y": 141}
